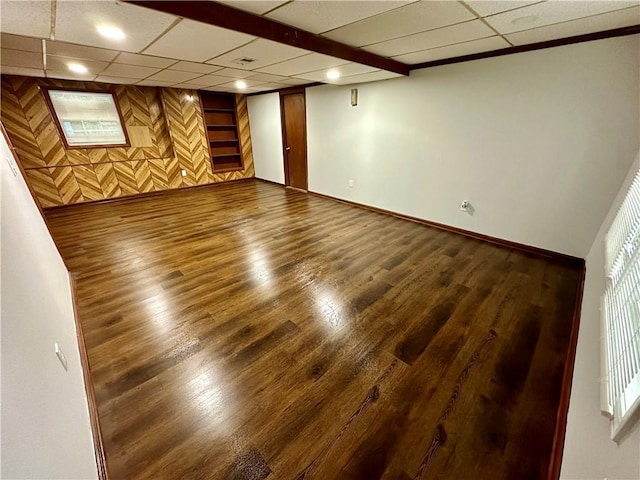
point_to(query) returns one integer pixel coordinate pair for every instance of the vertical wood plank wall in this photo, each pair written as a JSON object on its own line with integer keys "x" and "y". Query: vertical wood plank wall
{"x": 166, "y": 130}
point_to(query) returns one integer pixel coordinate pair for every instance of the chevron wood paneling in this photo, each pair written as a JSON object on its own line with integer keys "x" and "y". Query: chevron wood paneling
{"x": 167, "y": 134}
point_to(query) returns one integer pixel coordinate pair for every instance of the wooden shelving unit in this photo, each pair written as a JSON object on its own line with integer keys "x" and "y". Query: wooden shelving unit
{"x": 219, "y": 112}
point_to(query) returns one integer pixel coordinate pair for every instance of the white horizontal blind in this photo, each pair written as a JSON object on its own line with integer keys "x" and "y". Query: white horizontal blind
{"x": 621, "y": 309}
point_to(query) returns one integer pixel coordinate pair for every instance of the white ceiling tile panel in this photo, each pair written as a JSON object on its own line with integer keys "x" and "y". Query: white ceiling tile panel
{"x": 265, "y": 52}
{"x": 551, "y": 12}
{"x": 254, "y": 6}
{"x": 144, "y": 60}
{"x": 209, "y": 80}
{"x": 367, "y": 77}
{"x": 21, "y": 17}
{"x": 154, "y": 83}
{"x": 174, "y": 76}
{"x": 606, "y": 21}
{"x": 117, "y": 80}
{"x": 191, "y": 86}
{"x": 69, "y": 75}
{"x": 271, "y": 86}
{"x": 80, "y": 51}
{"x": 197, "y": 42}
{"x": 307, "y": 63}
{"x": 451, "y": 51}
{"x": 234, "y": 73}
{"x": 77, "y": 22}
{"x": 294, "y": 81}
{"x": 461, "y": 32}
{"x": 489, "y": 7}
{"x": 320, "y": 16}
{"x": 201, "y": 68}
{"x": 16, "y": 42}
{"x": 344, "y": 70}
{"x": 27, "y": 72}
{"x": 129, "y": 71}
{"x": 250, "y": 83}
{"x": 61, "y": 64}
{"x": 413, "y": 18}
{"x": 20, "y": 58}
{"x": 266, "y": 77}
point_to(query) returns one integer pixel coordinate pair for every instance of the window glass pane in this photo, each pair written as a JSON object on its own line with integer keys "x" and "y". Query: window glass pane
{"x": 88, "y": 118}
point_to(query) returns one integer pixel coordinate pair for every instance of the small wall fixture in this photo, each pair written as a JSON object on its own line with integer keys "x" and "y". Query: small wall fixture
{"x": 354, "y": 97}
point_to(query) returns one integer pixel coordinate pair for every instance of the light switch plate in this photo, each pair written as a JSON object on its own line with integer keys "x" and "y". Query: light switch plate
{"x": 12, "y": 166}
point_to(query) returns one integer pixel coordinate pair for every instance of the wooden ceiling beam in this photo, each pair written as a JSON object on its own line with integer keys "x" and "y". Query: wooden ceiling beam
{"x": 224, "y": 16}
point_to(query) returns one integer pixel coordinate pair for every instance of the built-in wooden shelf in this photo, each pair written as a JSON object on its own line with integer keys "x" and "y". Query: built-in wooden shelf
{"x": 219, "y": 110}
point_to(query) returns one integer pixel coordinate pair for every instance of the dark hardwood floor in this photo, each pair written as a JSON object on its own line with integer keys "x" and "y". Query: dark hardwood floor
{"x": 246, "y": 331}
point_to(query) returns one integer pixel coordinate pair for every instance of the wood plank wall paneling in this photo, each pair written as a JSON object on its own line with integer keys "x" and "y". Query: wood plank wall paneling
{"x": 167, "y": 135}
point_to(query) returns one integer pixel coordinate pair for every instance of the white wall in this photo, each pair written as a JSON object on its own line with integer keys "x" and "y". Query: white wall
{"x": 538, "y": 142}
{"x": 589, "y": 453}
{"x": 266, "y": 136}
{"x": 45, "y": 420}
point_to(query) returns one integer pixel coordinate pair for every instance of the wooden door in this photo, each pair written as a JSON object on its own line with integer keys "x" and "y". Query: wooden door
{"x": 294, "y": 134}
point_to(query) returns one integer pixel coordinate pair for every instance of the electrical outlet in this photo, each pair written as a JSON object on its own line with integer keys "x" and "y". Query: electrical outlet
{"x": 183, "y": 172}
{"x": 350, "y": 183}
{"x": 60, "y": 355}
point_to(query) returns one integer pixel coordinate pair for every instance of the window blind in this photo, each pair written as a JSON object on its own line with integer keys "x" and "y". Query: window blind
{"x": 621, "y": 311}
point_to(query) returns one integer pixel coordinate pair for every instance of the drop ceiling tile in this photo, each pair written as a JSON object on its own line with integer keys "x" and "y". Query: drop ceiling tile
{"x": 154, "y": 83}
{"x": 193, "y": 67}
{"x": 209, "y": 80}
{"x": 17, "y": 42}
{"x": 191, "y": 86}
{"x": 407, "y": 20}
{"x": 457, "y": 50}
{"x": 344, "y": 70}
{"x": 307, "y": 63}
{"x": 250, "y": 83}
{"x": 548, "y": 13}
{"x": 490, "y": 7}
{"x": 265, "y": 52}
{"x": 117, "y": 80}
{"x": 367, "y": 77}
{"x": 265, "y": 77}
{"x": 144, "y": 60}
{"x": 234, "y": 73}
{"x": 20, "y": 58}
{"x": 80, "y": 51}
{"x": 26, "y": 72}
{"x": 320, "y": 16}
{"x": 259, "y": 7}
{"x": 77, "y": 22}
{"x": 197, "y": 42}
{"x": 461, "y": 32}
{"x": 129, "y": 71}
{"x": 61, "y": 64}
{"x": 217, "y": 88}
{"x": 31, "y": 18}
{"x": 174, "y": 76}
{"x": 271, "y": 86}
{"x": 295, "y": 81}
{"x": 597, "y": 23}
{"x": 68, "y": 75}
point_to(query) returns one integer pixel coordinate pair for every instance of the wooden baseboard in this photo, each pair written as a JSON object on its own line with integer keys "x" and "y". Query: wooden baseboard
{"x": 555, "y": 464}
{"x": 539, "y": 252}
{"x": 138, "y": 196}
{"x": 98, "y": 445}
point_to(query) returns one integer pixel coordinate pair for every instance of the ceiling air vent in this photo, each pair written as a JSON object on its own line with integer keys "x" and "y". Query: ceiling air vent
{"x": 243, "y": 61}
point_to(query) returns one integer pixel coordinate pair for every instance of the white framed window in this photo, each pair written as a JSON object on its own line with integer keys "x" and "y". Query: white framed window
{"x": 621, "y": 314}
{"x": 87, "y": 119}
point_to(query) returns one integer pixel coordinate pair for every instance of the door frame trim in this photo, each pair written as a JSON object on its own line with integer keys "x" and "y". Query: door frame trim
{"x": 283, "y": 93}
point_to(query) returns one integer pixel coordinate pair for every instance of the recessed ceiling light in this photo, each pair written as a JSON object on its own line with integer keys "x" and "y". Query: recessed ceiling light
{"x": 524, "y": 20}
{"x": 333, "y": 74}
{"x": 111, "y": 32}
{"x": 241, "y": 84}
{"x": 76, "y": 67}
